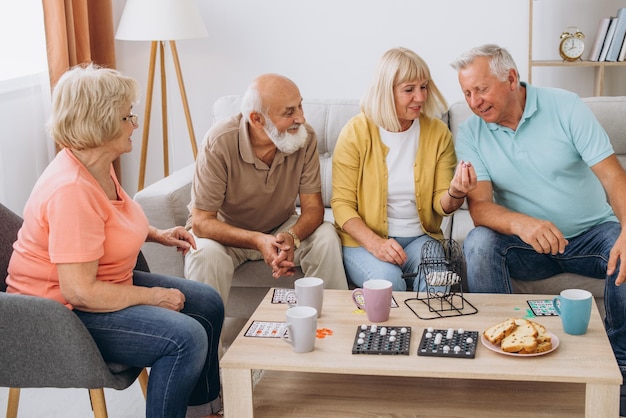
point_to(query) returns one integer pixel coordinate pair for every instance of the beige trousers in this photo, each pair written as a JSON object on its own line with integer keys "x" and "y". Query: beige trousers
{"x": 319, "y": 256}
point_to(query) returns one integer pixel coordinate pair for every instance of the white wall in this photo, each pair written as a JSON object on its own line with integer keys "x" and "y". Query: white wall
{"x": 330, "y": 47}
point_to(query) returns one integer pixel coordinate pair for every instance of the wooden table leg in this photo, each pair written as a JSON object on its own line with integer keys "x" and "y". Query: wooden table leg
{"x": 601, "y": 400}
{"x": 237, "y": 392}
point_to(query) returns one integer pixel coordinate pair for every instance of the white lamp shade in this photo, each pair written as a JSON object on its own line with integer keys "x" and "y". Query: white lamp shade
{"x": 160, "y": 20}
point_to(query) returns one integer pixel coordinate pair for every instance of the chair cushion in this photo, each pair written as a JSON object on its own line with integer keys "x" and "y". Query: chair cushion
{"x": 44, "y": 344}
{"x": 10, "y": 223}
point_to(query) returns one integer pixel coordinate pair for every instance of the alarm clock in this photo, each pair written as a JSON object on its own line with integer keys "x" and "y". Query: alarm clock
{"x": 572, "y": 46}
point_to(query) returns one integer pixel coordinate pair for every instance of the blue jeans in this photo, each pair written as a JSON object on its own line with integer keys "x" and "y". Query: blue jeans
{"x": 180, "y": 348}
{"x": 492, "y": 259}
{"x": 361, "y": 265}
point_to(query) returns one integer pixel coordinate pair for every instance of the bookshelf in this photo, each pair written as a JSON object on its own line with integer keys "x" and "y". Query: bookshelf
{"x": 599, "y": 66}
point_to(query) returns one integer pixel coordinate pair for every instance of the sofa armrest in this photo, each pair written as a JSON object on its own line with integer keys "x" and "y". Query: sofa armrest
{"x": 165, "y": 205}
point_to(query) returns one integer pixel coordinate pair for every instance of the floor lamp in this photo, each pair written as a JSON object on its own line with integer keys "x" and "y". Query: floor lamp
{"x": 161, "y": 21}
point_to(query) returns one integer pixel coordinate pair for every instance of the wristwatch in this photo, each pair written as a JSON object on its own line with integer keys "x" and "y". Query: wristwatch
{"x": 296, "y": 240}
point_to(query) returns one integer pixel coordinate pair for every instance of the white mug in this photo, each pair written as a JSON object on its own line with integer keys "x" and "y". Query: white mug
{"x": 308, "y": 291}
{"x": 301, "y": 327}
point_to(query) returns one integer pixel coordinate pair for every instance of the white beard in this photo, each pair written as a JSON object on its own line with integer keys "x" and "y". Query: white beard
{"x": 286, "y": 142}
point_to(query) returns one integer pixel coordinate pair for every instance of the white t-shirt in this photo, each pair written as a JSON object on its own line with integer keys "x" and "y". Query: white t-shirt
{"x": 402, "y": 215}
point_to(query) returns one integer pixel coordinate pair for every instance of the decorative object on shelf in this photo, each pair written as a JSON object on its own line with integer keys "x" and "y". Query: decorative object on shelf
{"x": 598, "y": 42}
{"x": 159, "y": 21}
{"x": 599, "y": 64}
{"x": 572, "y": 46}
{"x": 442, "y": 273}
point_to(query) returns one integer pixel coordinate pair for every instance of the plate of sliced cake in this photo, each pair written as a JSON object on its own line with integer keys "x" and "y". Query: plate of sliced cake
{"x": 519, "y": 337}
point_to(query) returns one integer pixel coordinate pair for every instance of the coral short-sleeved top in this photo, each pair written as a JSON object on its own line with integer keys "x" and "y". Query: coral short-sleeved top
{"x": 69, "y": 219}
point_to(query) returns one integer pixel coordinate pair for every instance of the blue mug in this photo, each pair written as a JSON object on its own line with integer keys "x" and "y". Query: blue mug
{"x": 574, "y": 307}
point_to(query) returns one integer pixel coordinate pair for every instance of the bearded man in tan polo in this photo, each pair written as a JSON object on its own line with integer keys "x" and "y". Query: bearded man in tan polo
{"x": 249, "y": 172}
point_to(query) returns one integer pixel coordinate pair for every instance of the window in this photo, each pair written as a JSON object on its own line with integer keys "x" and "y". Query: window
{"x": 23, "y": 39}
{"x": 25, "y": 148}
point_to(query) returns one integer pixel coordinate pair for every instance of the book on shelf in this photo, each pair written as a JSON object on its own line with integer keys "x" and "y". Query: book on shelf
{"x": 596, "y": 47}
{"x": 608, "y": 39}
{"x": 622, "y": 52}
{"x": 618, "y": 36}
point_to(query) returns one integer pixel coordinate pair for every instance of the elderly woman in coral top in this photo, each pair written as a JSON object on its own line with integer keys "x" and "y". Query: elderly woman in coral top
{"x": 81, "y": 237}
{"x": 394, "y": 176}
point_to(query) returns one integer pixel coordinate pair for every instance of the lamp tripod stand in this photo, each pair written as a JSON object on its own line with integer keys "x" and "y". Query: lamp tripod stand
{"x": 148, "y": 110}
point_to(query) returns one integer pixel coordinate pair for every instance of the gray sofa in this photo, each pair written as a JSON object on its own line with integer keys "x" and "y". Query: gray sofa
{"x": 165, "y": 202}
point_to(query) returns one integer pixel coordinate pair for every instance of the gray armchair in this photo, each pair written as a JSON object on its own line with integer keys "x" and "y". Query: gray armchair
{"x": 43, "y": 344}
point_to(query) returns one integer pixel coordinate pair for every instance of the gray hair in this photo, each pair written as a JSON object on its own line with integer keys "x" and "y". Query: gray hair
{"x": 500, "y": 64}
{"x": 252, "y": 102}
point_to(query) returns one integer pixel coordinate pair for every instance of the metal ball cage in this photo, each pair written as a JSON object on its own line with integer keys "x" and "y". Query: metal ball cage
{"x": 441, "y": 277}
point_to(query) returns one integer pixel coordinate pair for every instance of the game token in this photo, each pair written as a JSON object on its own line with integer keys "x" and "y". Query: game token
{"x": 373, "y": 339}
{"x": 449, "y": 342}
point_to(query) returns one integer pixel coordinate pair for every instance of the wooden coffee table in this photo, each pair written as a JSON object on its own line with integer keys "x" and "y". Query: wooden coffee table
{"x": 579, "y": 378}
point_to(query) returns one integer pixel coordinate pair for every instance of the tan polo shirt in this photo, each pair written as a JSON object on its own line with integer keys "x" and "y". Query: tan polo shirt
{"x": 246, "y": 193}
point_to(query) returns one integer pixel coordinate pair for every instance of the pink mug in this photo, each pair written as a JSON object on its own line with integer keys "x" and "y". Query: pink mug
{"x": 376, "y": 295}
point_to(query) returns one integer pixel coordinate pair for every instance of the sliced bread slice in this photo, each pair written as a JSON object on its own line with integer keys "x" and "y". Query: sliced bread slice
{"x": 523, "y": 338}
{"x": 542, "y": 332}
{"x": 495, "y": 334}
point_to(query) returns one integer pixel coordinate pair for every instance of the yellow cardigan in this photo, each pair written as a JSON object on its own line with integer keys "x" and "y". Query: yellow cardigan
{"x": 360, "y": 176}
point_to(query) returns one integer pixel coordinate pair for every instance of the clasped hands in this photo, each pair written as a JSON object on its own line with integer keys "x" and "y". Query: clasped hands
{"x": 278, "y": 253}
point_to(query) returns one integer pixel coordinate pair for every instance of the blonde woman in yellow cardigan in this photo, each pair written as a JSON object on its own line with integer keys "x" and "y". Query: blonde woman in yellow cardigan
{"x": 394, "y": 176}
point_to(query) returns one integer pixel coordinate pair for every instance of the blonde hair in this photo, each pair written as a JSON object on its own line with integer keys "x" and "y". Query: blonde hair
{"x": 397, "y": 66}
{"x": 86, "y": 106}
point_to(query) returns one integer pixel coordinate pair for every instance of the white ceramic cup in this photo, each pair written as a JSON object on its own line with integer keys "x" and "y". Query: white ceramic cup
{"x": 377, "y": 297}
{"x": 301, "y": 327}
{"x": 308, "y": 291}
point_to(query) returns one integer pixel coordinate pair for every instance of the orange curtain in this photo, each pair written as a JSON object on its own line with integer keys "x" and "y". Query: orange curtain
{"x": 77, "y": 32}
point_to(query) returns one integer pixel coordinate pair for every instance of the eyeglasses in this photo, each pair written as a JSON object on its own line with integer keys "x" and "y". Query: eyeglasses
{"x": 132, "y": 118}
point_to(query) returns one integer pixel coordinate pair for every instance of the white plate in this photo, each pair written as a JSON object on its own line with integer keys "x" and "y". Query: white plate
{"x": 497, "y": 349}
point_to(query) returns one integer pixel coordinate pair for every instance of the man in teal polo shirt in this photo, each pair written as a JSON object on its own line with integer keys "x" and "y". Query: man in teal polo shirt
{"x": 545, "y": 168}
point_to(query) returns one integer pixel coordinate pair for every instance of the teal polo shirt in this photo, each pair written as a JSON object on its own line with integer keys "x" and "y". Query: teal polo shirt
{"x": 543, "y": 168}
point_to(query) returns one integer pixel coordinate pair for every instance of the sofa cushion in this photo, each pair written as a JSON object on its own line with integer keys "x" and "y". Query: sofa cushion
{"x": 611, "y": 113}
{"x": 457, "y": 114}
